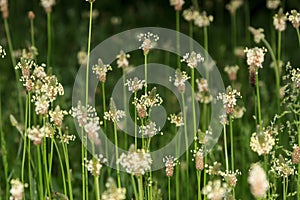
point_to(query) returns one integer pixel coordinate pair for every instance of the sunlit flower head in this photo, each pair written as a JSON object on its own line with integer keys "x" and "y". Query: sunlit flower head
{"x": 36, "y": 135}
{"x": 136, "y": 162}
{"x": 134, "y": 84}
{"x": 233, "y": 5}
{"x": 123, "y": 60}
{"x": 177, "y": 4}
{"x": 148, "y": 40}
{"x": 202, "y": 20}
{"x": 180, "y": 78}
{"x": 95, "y": 164}
{"x": 57, "y": 115}
{"x": 48, "y": 4}
{"x": 258, "y": 34}
{"x": 114, "y": 114}
{"x": 101, "y": 70}
{"x": 262, "y": 142}
{"x": 255, "y": 56}
{"x": 258, "y": 181}
{"x": 216, "y": 190}
{"x": 229, "y": 99}
{"x": 149, "y": 130}
{"x": 279, "y": 21}
{"x": 294, "y": 18}
{"x": 17, "y": 190}
{"x": 176, "y": 119}
{"x": 192, "y": 59}
{"x": 170, "y": 163}
{"x": 273, "y": 4}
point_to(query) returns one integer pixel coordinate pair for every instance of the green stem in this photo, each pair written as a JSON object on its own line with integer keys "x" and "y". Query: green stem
{"x": 191, "y": 35}
{"x": 233, "y": 28}
{"x": 199, "y": 185}
{"x": 298, "y": 194}
{"x": 117, "y": 154}
{"x": 49, "y": 37}
{"x": 97, "y": 188}
{"x": 141, "y": 189}
{"x": 145, "y": 72}
{"x": 28, "y": 150}
{"x": 298, "y": 35}
{"x": 83, "y": 153}
{"x": 32, "y": 32}
{"x": 258, "y": 100}
{"x": 178, "y": 38}
{"x": 169, "y": 187}
{"x": 17, "y": 75}
{"x": 225, "y": 148}
{"x": 193, "y": 108}
{"x": 104, "y": 121}
{"x": 4, "y": 153}
{"x": 177, "y": 182}
{"x": 231, "y": 149}
{"x": 204, "y": 175}
{"x": 247, "y": 21}
{"x": 48, "y": 191}
{"x": 25, "y": 139}
{"x": 276, "y": 69}
{"x": 62, "y": 168}
{"x": 135, "y": 125}
{"x": 134, "y": 187}
{"x": 41, "y": 185}
{"x": 66, "y": 155}
{"x": 186, "y": 144}
{"x": 125, "y": 107}
{"x": 283, "y": 189}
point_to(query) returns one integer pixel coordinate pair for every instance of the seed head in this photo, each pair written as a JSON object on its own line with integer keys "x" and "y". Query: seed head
{"x": 177, "y": 4}
{"x": 17, "y": 190}
{"x": 279, "y": 21}
{"x": 255, "y": 56}
{"x": 123, "y": 60}
{"x": 294, "y": 18}
{"x": 202, "y": 20}
{"x": 113, "y": 192}
{"x": 258, "y": 34}
{"x": 148, "y": 40}
{"x": 101, "y": 70}
{"x": 296, "y": 154}
{"x": 4, "y": 8}
{"x": 95, "y": 164}
{"x": 31, "y": 15}
{"x": 192, "y": 59}
{"x": 273, "y": 4}
{"x": 258, "y": 181}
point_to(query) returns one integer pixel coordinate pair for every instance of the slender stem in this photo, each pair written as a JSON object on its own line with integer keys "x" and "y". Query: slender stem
{"x": 276, "y": 69}
{"x": 117, "y": 154}
{"x": 178, "y": 38}
{"x": 48, "y": 191}
{"x": 233, "y": 28}
{"x": 193, "y": 108}
{"x": 125, "y": 107}
{"x": 62, "y": 168}
{"x": 169, "y": 187}
{"x": 32, "y": 32}
{"x": 135, "y": 125}
{"x": 141, "y": 189}
{"x": 247, "y": 21}
{"x": 49, "y": 37}
{"x": 84, "y": 153}
{"x": 204, "y": 174}
{"x": 97, "y": 188}
{"x": 4, "y": 153}
{"x": 231, "y": 149}
{"x": 298, "y": 194}
{"x": 104, "y": 121}
{"x": 17, "y": 75}
{"x": 225, "y": 148}
{"x": 83, "y": 156}
{"x": 177, "y": 182}
{"x": 199, "y": 184}
{"x": 146, "y": 78}
{"x": 41, "y": 185}
{"x": 258, "y": 100}
{"x": 283, "y": 188}
{"x": 191, "y": 27}
{"x": 24, "y": 140}
{"x": 29, "y": 151}
{"x": 66, "y": 155}
{"x": 298, "y": 35}
{"x": 186, "y": 144}
{"x": 134, "y": 187}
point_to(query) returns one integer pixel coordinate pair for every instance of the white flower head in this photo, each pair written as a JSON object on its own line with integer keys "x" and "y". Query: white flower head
{"x": 149, "y": 130}
{"x": 255, "y": 56}
{"x": 229, "y": 99}
{"x": 294, "y": 18}
{"x": 95, "y": 164}
{"x": 101, "y": 70}
{"x": 170, "y": 163}
{"x": 202, "y": 20}
{"x": 180, "y": 78}
{"x": 233, "y": 6}
{"x": 48, "y": 4}
{"x": 136, "y": 162}
{"x": 134, "y": 84}
{"x": 113, "y": 192}
{"x": 123, "y": 60}
{"x": 279, "y": 21}
{"x": 257, "y": 33}
{"x": 149, "y": 41}
{"x": 258, "y": 181}
{"x": 114, "y": 114}
{"x": 17, "y": 190}
{"x": 192, "y": 59}
{"x": 262, "y": 143}
{"x": 177, "y": 4}
{"x": 273, "y": 4}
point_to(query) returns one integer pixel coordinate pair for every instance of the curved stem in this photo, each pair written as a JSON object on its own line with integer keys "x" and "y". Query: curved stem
{"x": 17, "y": 75}
{"x": 61, "y": 167}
